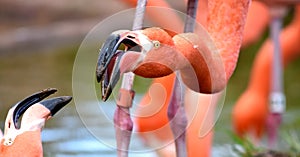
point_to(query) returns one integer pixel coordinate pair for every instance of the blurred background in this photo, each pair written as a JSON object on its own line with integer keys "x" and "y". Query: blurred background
{"x": 38, "y": 44}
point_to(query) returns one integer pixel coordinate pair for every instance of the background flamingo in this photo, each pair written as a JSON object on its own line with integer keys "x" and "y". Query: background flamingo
{"x": 250, "y": 121}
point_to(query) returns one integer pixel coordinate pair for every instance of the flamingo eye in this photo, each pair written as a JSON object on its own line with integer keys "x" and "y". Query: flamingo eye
{"x": 156, "y": 44}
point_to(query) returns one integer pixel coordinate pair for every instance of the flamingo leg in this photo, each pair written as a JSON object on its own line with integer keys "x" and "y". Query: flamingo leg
{"x": 123, "y": 128}
{"x": 178, "y": 119}
{"x": 277, "y": 98}
{"x": 176, "y": 111}
{"x": 122, "y": 121}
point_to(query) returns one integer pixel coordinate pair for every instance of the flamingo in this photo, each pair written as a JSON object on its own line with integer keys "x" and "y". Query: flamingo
{"x": 152, "y": 100}
{"x": 251, "y": 34}
{"x": 253, "y": 122}
{"x": 23, "y": 138}
{"x": 162, "y": 51}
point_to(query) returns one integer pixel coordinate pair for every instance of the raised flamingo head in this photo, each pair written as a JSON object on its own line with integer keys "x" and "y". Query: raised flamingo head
{"x": 35, "y": 113}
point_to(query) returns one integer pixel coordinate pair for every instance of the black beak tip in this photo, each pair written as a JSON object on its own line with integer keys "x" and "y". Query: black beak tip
{"x": 23, "y": 105}
{"x": 104, "y": 98}
{"x": 107, "y": 94}
{"x": 56, "y": 104}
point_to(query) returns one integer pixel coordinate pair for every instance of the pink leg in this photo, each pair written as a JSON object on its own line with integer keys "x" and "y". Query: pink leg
{"x": 176, "y": 110}
{"x": 277, "y": 98}
{"x": 123, "y": 122}
{"x": 178, "y": 119}
{"x": 123, "y": 128}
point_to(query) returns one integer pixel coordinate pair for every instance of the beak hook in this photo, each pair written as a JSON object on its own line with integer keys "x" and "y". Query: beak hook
{"x": 55, "y": 104}
{"x": 23, "y": 105}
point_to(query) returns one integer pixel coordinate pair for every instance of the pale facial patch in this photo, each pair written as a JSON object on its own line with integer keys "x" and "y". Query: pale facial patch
{"x": 33, "y": 120}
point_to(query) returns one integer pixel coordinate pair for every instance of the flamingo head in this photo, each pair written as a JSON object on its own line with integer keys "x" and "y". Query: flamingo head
{"x": 144, "y": 52}
{"x": 34, "y": 113}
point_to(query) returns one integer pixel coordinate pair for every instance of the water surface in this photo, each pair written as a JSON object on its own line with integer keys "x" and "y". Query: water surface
{"x": 65, "y": 135}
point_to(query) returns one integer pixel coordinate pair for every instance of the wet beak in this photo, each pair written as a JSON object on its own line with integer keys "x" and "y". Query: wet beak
{"x": 56, "y": 104}
{"x": 23, "y": 105}
{"x": 108, "y": 66}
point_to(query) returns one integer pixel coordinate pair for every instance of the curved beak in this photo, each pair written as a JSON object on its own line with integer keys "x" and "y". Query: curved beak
{"x": 112, "y": 75}
{"x": 56, "y": 104}
{"x": 108, "y": 66}
{"x": 23, "y": 105}
{"x": 107, "y": 52}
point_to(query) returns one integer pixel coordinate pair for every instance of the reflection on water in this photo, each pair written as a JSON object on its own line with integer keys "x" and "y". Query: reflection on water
{"x": 65, "y": 135}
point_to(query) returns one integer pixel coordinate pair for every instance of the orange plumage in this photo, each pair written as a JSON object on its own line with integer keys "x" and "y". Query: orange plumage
{"x": 251, "y": 110}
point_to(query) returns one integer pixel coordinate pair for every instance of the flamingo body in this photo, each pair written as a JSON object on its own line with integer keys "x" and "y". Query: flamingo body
{"x": 253, "y": 121}
{"x": 251, "y": 110}
{"x": 155, "y": 128}
{"x": 160, "y": 110}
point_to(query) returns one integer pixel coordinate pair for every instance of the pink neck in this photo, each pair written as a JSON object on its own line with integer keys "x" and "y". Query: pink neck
{"x": 226, "y": 21}
{"x": 26, "y": 144}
